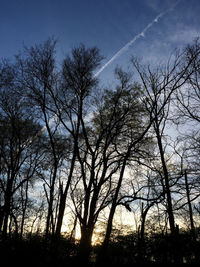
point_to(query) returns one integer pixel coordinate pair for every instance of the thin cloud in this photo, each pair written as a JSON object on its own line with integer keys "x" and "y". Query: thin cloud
{"x": 184, "y": 36}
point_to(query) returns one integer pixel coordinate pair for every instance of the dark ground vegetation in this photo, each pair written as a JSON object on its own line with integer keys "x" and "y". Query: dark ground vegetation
{"x": 127, "y": 250}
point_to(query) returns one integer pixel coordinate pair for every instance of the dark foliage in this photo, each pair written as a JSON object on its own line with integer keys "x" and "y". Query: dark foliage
{"x": 36, "y": 250}
{"x": 156, "y": 250}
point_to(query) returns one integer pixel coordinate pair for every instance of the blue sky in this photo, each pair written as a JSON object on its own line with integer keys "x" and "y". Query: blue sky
{"x": 107, "y": 24}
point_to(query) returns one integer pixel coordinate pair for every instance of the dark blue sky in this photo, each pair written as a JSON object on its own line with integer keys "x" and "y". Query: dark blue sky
{"x": 107, "y": 24}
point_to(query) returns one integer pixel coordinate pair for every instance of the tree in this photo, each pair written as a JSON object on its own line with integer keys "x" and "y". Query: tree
{"x": 187, "y": 114}
{"x": 17, "y": 148}
{"x": 68, "y": 145}
{"x": 70, "y": 101}
{"x": 39, "y": 76}
{"x": 160, "y": 85}
{"x": 131, "y": 131}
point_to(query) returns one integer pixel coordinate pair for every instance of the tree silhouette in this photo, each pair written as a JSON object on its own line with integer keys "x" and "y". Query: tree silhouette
{"x": 72, "y": 149}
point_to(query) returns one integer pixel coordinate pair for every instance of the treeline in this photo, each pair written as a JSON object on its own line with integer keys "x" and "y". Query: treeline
{"x": 73, "y": 150}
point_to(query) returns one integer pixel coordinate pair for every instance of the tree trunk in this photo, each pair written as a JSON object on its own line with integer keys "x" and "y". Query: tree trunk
{"x": 141, "y": 240}
{"x": 24, "y": 210}
{"x": 85, "y": 244}
{"x": 51, "y": 200}
{"x": 73, "y": 232}
{"x": 112, "y": 211}
{"x": 63, "y": 195}
{"x": 102, "y": 255}
{"x": 7, "y": 207}
{"x": 1, "y": 216}
{"x": 166, "y": 179}
{"x": 52, "y": 183}
{"x": 190, "y": 207}
{"x": 61, "y": 212}
{"x": 144, "y": 215}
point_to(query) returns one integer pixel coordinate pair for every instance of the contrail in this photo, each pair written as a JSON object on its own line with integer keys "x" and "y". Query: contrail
{"x": 119, "y": 53}
{"x": 142, "y": 34}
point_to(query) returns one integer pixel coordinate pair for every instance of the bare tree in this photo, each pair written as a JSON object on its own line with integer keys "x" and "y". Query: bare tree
{"x": 17, "y": 129}
{"x": 38, "y": 76}
{"x": 160, "y": 85}
{"x": 70, "y": 103}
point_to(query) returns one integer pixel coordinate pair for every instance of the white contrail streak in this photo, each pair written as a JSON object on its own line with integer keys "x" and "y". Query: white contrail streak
{"x": 142, "y": 34}
{"x": 119, "y": 53}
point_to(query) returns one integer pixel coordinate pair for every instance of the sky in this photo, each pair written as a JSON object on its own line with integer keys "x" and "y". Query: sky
{"x": 148, "y": 29}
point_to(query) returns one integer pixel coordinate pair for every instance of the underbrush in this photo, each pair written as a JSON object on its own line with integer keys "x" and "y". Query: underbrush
{"x": 154, "y": 250}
